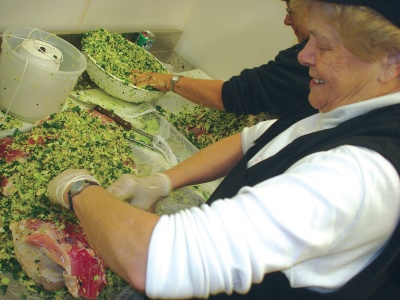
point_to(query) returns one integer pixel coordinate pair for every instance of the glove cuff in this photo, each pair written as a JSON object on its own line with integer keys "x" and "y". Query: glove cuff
{"x": 62, "y": 188}
{"x": 167, "y": 186}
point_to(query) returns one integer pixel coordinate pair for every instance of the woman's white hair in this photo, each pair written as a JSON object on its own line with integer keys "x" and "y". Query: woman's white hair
{"x": 365, "y": 33}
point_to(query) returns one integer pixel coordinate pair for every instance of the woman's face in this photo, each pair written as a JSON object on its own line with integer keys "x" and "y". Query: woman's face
{"x": 338, "y": 76}
{"x": 297, "y": 23}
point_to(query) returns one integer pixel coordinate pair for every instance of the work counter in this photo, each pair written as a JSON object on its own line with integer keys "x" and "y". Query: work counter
{"x": 168, "y": 148}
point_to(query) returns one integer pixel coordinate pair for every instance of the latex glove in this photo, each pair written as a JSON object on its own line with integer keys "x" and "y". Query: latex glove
{"x": 142, "y": 192}
{"x": 59, "y": 184}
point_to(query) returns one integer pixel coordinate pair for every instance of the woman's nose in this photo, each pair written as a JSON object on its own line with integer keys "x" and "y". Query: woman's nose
{"x": 307, "y": 56}
{"x": 288, "y": 20}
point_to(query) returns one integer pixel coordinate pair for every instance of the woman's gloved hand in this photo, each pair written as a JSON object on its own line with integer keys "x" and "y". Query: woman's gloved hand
{"x": 142, "y": 192}
{"x": 59, "y": 184}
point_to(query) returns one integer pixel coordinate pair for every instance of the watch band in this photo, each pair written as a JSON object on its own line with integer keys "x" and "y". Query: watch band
{"x": 174, "y": 80}
{"x": 77, "y": 188}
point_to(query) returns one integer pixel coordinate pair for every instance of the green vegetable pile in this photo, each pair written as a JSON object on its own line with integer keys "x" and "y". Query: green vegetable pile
{"x": 118, "y": 56}
{"x": 71, "y": 139}
{"x": 10, "y": 122}
{"x": 203, "y": 126}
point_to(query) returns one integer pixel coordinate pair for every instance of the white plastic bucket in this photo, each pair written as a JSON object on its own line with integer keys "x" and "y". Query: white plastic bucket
{"x": 30, "y": 91}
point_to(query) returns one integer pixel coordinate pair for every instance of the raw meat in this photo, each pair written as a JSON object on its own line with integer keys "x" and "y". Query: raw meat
{"x": 8, "y": 154}
{"x": 58, "y": 254}
{"x": 75, "y": 138}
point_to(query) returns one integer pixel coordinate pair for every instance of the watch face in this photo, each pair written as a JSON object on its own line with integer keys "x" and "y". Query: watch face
{"x": 76, "y": 186}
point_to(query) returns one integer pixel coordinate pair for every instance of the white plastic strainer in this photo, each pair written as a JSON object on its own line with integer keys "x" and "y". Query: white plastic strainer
{"x": 117, "y": 87}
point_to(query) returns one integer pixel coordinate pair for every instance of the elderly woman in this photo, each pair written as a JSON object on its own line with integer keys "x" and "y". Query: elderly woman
{"x": 310, "y": 204}
{"x": 274, "y": 87}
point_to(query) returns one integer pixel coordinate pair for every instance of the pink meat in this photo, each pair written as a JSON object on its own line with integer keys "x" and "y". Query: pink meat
{"x": 4, "y": 144}
{"x": 8, "y": 154}
{"x": 197, "y": 131}
{"x": 57, "y": 255}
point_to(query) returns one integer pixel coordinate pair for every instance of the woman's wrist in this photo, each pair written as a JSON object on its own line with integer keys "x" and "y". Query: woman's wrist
{"x": 162, "y": 82}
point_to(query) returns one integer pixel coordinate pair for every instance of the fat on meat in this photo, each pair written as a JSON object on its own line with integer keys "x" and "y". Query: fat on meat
{"x": 57, "y": 255}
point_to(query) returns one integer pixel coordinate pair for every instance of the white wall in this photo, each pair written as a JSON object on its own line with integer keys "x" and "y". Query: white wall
{"x": 222, "y": 37}
{"x": 76, "y": 16}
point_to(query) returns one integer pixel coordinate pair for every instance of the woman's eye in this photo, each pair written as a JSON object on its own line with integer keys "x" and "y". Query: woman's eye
{"x": 322, "y": 48}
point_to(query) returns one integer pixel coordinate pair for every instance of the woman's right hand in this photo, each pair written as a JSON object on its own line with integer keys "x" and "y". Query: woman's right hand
{"x": 158, "y": 81}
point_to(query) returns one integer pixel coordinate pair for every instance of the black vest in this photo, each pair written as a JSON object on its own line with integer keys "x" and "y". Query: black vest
{"x": 378, "y": 130}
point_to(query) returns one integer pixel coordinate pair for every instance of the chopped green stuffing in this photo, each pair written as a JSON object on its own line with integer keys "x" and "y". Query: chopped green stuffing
{"x": 9, "y": 122}
{"x": 71, "y": 139}
{"x": 118, "y": 56}
{"x": 203, "y": 126}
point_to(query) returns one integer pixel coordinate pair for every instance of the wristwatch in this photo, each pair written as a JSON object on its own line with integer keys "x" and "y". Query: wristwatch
{"x": 77, "y": 188}
{"x": 174, "y": 80}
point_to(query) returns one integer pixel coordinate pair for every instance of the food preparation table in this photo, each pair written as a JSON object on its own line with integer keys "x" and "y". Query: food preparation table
{"x": 148, "y": 161}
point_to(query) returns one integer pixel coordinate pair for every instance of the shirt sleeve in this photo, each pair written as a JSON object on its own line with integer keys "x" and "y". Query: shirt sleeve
{"x": 250, "y": 134}
{"x": 321, "y": 222}
{"x": 276, "y": 87}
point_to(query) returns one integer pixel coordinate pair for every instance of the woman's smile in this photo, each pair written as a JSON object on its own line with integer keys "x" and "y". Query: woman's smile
{"x": 317, "y": 81}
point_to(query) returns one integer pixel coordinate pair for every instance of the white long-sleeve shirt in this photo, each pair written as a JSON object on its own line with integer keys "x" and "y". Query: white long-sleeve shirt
{"x": 320, "y": 223}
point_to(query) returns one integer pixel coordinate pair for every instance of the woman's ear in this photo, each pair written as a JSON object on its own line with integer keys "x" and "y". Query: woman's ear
{"x": 391, "y": 67}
